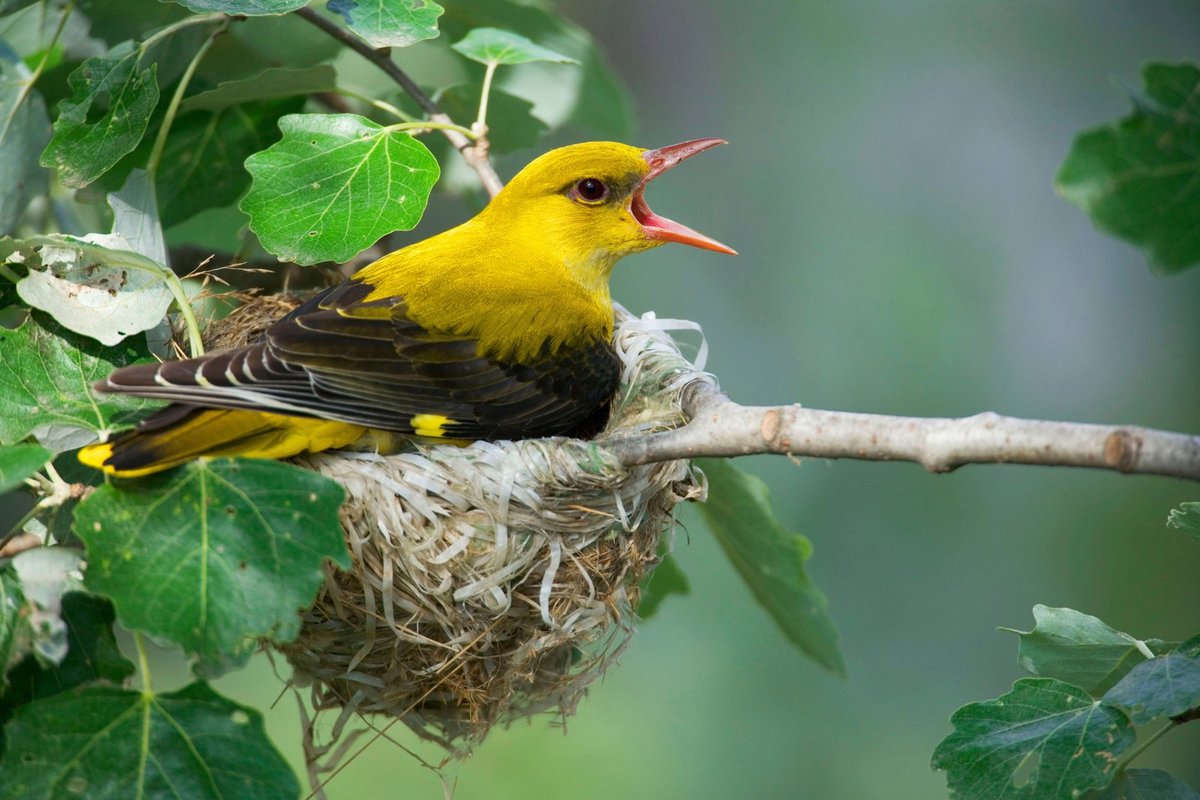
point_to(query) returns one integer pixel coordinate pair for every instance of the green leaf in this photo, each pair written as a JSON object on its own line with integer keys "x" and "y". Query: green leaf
{"x": 1187, "y": 519}
{"x": 46, "y": 574}
{"x": 1140, "y": 178}
{"x": 1144, "y": 784}
{"x": 495, "y": 46}
{"x": 770, "y": 559}
{"x": 274, "y": 83}
{"x": 250, "y": 8}
{"x": 215, "y": 554}
{"x": 105, "y": 118}
{"x": 46, "y": 377}
{"x": 92, "y": 656}
{"x": 95, "y": 285}
{"x": 24, "y": 131}
{"x": 390, "y": 23}
{"x": 202, "y": 164}
{"x": 18, "y": 462}
{"x": 1161, "y": 687}
{"x": 15, "y": 635}
{"x": 511, "y": 123}
{"x": 1044, "y": 740}
{"x": 667, "y": 579}
{"x": 135, "y": 217}
{"x": 108, "y": 742}
{"x": 1080, "y": 649}
{"x": 334, "y": 185}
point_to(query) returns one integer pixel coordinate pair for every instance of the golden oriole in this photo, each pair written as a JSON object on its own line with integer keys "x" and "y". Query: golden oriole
{"x": 500, "y": 328}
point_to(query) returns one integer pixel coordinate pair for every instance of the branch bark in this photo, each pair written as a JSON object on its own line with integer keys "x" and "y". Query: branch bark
{"x": 719, "y": 427}
{"x": 475, "y": 153}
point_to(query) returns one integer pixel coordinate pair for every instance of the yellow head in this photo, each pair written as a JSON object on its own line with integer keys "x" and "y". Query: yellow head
{"x": 585, "y": 202}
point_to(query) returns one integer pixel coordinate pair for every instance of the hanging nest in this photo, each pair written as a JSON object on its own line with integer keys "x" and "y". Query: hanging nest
{"x": 494, "y": 581}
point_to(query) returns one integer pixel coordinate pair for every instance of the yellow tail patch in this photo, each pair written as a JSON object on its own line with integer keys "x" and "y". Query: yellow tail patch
{"x": 431, "y": 425}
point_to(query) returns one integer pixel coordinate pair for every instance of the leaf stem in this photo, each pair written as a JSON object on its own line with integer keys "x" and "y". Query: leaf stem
{"x": 380, "y": 104}
{"x": 1141, "y": 746}
{"x": 430, "y": 125}
{"x": 480, "y": 126}
{"x": 7, "y": 272}
{"x": 474, "y": 152}
{"x": 160, "y": 142}
{"x": 186, "y": 22}
{"x": 143, "y": 664}
{"x": 27, "y": 85}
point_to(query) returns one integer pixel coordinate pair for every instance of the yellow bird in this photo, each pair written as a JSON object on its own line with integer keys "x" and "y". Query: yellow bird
{"x": 500, "y": 328}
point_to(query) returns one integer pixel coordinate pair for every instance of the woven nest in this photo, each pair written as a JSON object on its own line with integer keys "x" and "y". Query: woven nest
{"x": 493, "y": 581}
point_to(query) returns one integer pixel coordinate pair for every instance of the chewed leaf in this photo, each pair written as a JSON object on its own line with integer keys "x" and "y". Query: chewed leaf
{"x": 334, "y": 185}
{"x": 95, "y": 285}
{"x": 1044, "y": 740}
{"x": 494, "y": 46}
{"x": 105, "y": 117}
{"x": 390, "y": 23}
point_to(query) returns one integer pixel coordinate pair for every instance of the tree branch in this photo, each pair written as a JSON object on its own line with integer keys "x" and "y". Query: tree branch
{"x": 475, "y": 153}
{"x": 720, "y": 427}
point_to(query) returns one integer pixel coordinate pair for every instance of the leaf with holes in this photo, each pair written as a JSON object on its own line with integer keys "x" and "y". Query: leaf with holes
{"x": 105, "y": 118}
{"x": 215, "y": 554}
{"x": 495, "y": 46}
{"x": 108, "y": 742}
{"x": 1044, "y": 740}
{"x": 770, "y": 559}
{"x": 18, "y": 462}
{"x": 334, "y": 185}
{"x": 1162, "y": 687}
{"x": 1186, "y": 518}
{"x": 46, "y": 377}
{"x": 1080, "y": 649}
{"x": 390, "y": 23}
{"x": 1140, "y": 179}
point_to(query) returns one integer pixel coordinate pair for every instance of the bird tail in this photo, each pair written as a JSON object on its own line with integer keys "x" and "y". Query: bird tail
{"x": 180, "y": 433}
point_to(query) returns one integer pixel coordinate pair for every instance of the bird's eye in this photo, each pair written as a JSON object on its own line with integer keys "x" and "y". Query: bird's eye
{"x": 590, "y": 190}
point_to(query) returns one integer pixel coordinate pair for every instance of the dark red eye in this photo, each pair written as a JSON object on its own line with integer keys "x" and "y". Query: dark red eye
{"x": 591, "y": 190}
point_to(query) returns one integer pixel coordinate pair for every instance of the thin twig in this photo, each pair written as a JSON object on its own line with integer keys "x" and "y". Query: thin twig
{"x": 722, "y": 428}
{"x": 475, "y": 153}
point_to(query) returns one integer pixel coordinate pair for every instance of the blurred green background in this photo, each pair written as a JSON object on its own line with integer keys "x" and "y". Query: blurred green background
{"x": 889, "y": 184}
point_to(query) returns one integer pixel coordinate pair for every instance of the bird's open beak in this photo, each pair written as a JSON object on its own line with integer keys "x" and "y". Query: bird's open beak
{"x": 657, "y": 227}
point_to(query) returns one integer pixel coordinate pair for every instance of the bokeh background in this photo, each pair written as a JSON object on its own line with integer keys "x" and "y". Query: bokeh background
{"x": 889, "y": 184}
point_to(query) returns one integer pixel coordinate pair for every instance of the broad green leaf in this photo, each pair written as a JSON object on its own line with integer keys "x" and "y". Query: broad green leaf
{"x": 390, "y": 23}
{"x": 770, "y": 559}
{"x": 106, "y": 116}
{"x": 511, "y": 123}
{"x": 334, "y": 185}
{"x": 24, "y": 131}
{"x": 106, "y": 742}
{"x": 1187, "y": 519}
{"x": 46, "y": 377}
{"x": 203, "y": 160}
{"x": 1140, "y": 178}
{"x": 1144, "y": 784}
{"x": 117, "y": 20}
{"x": 667, "y": 579}
{"x": 92, "y": 656}
{"x": 18, "y": 462}
{"x": 250, "y": 8}
{"x": 274, "y": 83}
{"x": 215, "y": 554}
{"x": 1080, "y": 649}
{"x": 95, "y": 285}
{"x": 1162, "y": 687}
{"x": 1044, "y": 740}
{"x": 495, "y": 46}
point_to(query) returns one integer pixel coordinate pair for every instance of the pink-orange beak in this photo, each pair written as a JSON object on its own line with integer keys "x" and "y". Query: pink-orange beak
{"x": 657, "y": 227}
